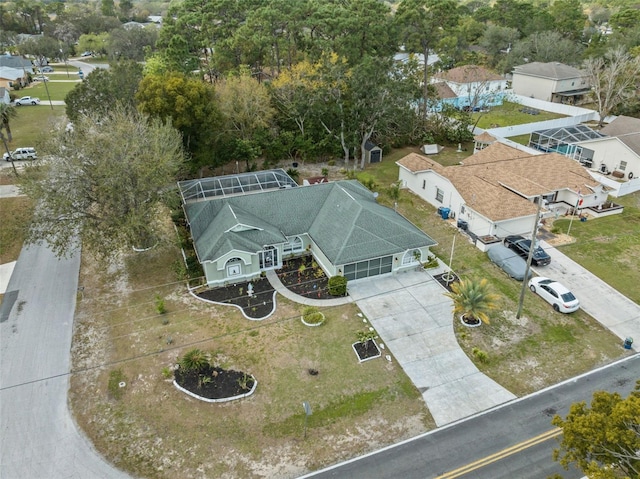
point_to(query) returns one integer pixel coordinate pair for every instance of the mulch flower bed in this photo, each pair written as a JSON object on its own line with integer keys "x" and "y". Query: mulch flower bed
{"x": 445, "y": 279}
{"x": 214, "y": 383}
{"x": 257, "y": 306}
{"x": 307, "y": 281}
{"x": 367, "y": 350}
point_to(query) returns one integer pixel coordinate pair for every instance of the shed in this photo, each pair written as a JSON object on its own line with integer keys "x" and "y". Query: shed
{"x": 373, "y": 153}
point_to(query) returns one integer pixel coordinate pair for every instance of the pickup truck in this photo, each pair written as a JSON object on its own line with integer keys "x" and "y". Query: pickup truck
{"x": 21, "y": 154}
{"x": 28, "y": 100}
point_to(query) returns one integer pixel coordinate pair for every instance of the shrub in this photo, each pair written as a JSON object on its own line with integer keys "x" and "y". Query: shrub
{"x": 556, "y": 230}
{"x": 193, "y": 360}
{"x": 311, "y": 315}
{"x": 167, "y": 373}
{"x": 337, "y": 286}
{"x": 160, "y": 307}
{"x": 480, "y": 355}
{"x": 325, "y": 172}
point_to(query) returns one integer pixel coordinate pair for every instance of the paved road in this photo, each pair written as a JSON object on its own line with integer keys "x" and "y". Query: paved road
{"x": 38, "y": 438}
{"x": 470, "y": 442}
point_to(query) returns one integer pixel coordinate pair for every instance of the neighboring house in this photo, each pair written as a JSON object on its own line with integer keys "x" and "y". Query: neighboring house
{"x": 4, "y": 95}
{"x": 494, "y": 193}
{"x": 11, "y": 78}
{"x": 17, "y": 62}
{"x": 245, "y": 224}
{"x": 554, "y": 82}
{"x": 473, "y": 86}
{"x": 613, "y": 150}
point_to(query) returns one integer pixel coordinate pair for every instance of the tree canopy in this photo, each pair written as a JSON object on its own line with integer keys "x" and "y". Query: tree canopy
{"x": 602, "y": 440}
{"x": 102, "y": 182}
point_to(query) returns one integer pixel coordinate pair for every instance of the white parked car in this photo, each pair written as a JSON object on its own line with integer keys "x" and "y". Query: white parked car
{"x": 41, "y": 78}
{"x": 28, "y": 100}
{"x": 21, "y": 154}
{"x": 554, "y": 293}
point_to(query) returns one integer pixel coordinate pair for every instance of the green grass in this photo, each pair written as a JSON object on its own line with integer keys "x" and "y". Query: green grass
{"x": 32, "y": 124}
{"x": 509, "y": 114}
{"x": 57, "y": 90}
{"x": 15, "y": 216}
{"x": 609, "y": 247}
{"x": 521, "y": 139}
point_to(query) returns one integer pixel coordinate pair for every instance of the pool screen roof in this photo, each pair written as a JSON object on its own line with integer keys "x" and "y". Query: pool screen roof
{"x": 234, "y": 185}
{"x": 570, "y": 134}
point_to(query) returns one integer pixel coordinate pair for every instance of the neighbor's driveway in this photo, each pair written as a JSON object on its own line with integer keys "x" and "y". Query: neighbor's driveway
{"x": 608, "y": 306}
{"x": 414, "y": 320}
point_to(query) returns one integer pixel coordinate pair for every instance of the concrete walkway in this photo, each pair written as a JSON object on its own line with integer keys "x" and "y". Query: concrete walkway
{"x": 608, "y": 306}
{"x": 413, "y": 318}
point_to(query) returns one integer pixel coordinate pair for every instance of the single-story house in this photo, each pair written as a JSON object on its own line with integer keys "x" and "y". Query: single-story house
{"x": 4, "y": 95}
{"x": 473, "y": 86}
{"x": 553, "y": 81}
{"x": 248, "y": 223}
{"x": 614, "y": 150}
{"x": 12, "y": 77}
{"x": 494, "y": 193}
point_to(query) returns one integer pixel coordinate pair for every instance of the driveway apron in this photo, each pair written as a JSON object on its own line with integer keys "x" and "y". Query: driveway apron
{"x": 414, "y": 320}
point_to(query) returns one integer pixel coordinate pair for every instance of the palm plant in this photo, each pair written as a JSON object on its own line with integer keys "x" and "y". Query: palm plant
{"x": 473, "y": 299}
{"x": 194, "y": 360}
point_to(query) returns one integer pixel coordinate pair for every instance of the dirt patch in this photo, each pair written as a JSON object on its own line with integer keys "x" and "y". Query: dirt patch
{"x": 156, "y": 431}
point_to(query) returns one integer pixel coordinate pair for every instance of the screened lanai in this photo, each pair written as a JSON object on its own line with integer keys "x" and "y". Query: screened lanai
{"x": 563, "y": 140}
{"x": 233, "y": 185}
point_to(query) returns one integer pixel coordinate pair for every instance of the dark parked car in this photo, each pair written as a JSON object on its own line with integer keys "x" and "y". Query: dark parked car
{"x": 521, "y": 245}
{"x": 508, "y": 261}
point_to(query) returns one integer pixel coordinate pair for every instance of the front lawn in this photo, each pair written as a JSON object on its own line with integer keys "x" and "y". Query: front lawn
{"x": 57, "y": 89}
{"x": 33, "y": 123}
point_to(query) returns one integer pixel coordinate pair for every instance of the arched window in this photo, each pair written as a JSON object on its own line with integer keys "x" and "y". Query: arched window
{"x": 294, "y": 245}
{"x": 411, "y": 257}
{"x": 234, "y": 267}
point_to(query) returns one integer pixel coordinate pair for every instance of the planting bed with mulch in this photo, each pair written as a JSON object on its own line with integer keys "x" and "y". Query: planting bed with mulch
{"x": 446, "y": 279}
{"x": 257, "y": 306}
{"x": 300, "y": 276}
{"x": 367, "y": 350}
{"x": 214, "y": 383}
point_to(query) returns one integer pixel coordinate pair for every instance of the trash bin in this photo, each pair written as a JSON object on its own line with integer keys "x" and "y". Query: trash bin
{"x": 627, "y": 343}
{"x": 444, "y": 213}
{"x": 583, "y": 218}
{"x": 463, "y": 225}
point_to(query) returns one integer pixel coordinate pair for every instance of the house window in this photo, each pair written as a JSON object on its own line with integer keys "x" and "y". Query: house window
{"x": 411, "y": 257}
{"x": 269, "y": 258}
{"x": 439, "y": 195}
{"x": 234, "y": 267}
{"x": 462, "y": 209}
{"x": 424, "y": 184}
{"x": 623, "y": 166}
{"x": 294, "y": 245}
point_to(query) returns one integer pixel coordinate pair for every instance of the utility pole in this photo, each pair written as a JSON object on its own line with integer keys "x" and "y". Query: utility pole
{"x": 531, "y": 248}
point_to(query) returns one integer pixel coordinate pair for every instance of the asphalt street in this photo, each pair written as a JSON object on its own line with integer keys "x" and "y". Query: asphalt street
{"x": 38, "y": 438}
{"x": 492, "y": 445}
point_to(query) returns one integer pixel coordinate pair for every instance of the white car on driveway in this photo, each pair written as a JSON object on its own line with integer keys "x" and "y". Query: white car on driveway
{"x": 554, "y": 293}
{"x": 28, "y": 100}
{"x": 21, "y": 154}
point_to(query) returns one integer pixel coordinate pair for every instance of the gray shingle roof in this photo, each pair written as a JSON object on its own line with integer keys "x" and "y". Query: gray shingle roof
{"x": 551, "y": 70}
{"x": 343, "y": 219}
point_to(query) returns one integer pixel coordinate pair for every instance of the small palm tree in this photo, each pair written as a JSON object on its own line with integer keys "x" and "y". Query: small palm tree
{"x": 473, "y": 299}
{"x": 194, "y": 360}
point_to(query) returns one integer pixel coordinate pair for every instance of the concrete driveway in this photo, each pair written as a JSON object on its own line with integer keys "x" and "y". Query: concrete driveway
{"x": 609, "y": 307}
{"x": 415, "y": 322}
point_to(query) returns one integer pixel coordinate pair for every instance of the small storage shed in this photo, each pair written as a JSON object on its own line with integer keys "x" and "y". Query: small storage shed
{"x": 373, "y": 153}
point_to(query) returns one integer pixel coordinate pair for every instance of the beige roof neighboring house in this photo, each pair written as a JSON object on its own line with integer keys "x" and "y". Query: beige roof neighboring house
{"x": 496, "y": 182}
{"x": 551, "y": 70}
{"x": 468, "y": 74}
{"x": 496, "y": 151}
{"x": 485, "y": 137}
{"x": 627, "y": 130}
{"x": 443, "y": 90}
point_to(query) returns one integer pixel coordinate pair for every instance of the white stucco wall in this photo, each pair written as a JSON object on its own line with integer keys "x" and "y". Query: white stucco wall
{"x": 425, "y": 184}
{"x": 539, "y": 88}
{"x": 611, "y": 152}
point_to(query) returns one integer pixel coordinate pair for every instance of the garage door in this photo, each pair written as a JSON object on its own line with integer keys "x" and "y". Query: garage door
{"x": 372, "y": 267}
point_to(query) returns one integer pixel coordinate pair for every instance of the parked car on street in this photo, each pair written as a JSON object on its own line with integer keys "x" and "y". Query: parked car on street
{"x": 21, "y": 154}
{"x": 554, "y": 293}
{"x": 41, "y": 78}
{"x": 86, "y": 54}
{"x": 47, "y": 69}
{"x": 521, "y": 245}
{"x": 28, "y": 100}
{"x": 508, "y": 261}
